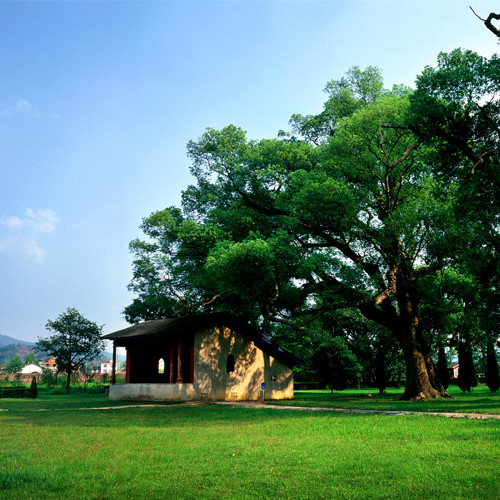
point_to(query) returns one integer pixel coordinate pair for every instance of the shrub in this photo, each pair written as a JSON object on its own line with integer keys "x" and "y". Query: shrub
{"x": 33, "y": 388}
{"x": 14, "y": 392}
{"x": 48, "y": 378}
{"x": 336, "y": 364}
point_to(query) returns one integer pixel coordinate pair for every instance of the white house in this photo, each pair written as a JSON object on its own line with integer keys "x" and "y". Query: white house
{"x": 106, "y": 367}
{"x": 31, "y": 368}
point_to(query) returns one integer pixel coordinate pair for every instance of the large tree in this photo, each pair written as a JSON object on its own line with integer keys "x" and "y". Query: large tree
{"x": 337, "y": 214}
{"x": 456, "y": 109}
{"x": 75, "y": 341}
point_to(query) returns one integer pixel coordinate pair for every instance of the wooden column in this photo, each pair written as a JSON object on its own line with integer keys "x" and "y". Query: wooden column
{"x": 179, "y": 362}
{"x": 172, "y": 365}
{"x": 113, "y": 366}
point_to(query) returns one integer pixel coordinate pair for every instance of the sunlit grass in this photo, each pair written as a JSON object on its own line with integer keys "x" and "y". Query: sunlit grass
{"x": 73, "y": 452}
{"x": 481, "y": 400}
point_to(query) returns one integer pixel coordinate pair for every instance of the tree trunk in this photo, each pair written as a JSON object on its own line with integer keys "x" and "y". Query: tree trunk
{"x": 68, "y": 380}
{"x": 418, "y": 379}
{"x": 422, "y": 381}
{"x": 421, "y": 378}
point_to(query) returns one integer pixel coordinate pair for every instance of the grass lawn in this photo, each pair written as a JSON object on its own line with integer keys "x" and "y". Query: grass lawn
{"x": 61, "y": 447}
{"x": 480, "y": 400}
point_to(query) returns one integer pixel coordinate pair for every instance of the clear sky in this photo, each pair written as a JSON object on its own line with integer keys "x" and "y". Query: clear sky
{"x": 98, "y": 100}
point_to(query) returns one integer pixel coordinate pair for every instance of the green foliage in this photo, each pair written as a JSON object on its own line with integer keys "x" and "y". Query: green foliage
{"x": 456, "y": 110}
{"x": 337, "y": 366}
{"x": 15, "y": 365}
{"x": 455, "y": 106}
{"x": 48, "y": 378}
{"x": 31, "y": 358}
{"x": 357, "y": 208}
{"x": 76, "y": 341}
{"x": 15, "y": 392}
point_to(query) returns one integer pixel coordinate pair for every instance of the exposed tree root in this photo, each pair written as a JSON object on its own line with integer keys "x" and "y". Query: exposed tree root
{"x": 423, "y": 397}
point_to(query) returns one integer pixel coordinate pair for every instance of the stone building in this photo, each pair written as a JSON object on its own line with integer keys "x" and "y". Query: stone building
{"x": 212, "y": 356}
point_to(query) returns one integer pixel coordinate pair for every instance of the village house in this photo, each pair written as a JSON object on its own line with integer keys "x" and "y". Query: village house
{"x": 31, "y": 368}
{"x": 106, "y": 367}
{"x": 211, "y": 356}
{"x": 50, "y": 363}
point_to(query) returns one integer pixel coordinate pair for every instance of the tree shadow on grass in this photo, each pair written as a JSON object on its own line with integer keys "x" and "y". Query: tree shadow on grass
{"x": 481, "y": 401}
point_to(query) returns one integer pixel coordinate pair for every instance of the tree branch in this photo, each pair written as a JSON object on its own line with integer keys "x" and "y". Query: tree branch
{"x": 488, "y": 22}
{"x": 482, "y": 157}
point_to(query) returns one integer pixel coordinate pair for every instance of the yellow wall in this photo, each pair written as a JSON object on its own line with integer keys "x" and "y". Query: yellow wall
{"x": 252, "y": 368}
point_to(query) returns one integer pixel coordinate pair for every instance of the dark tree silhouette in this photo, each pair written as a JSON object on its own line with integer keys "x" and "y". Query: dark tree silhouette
{"x": 442, "y": 368}
{"x": 466, "y": 371}
{"x": 492, "y": 374}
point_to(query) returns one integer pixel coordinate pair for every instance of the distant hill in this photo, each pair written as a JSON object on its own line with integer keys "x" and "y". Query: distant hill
{"x": 5, "y": 340}
{"x": 8, "y": 351}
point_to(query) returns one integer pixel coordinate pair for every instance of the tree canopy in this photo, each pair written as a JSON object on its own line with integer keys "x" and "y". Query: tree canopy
{"x": 344, "y": 212}
{"x": 456, "y": 108}
{"x": 75, "y": 341}
{"x": 15, "y": 365}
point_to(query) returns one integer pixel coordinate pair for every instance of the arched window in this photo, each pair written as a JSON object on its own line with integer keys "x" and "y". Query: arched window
{"x": 161, "y": 366}
{"x": 230, "y": 363}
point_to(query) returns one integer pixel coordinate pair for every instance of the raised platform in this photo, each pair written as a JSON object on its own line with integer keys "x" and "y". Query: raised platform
{"x": 153, "y": 392}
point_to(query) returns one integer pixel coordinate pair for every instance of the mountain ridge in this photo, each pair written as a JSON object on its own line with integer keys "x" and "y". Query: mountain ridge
{"x": 5, "y": 340}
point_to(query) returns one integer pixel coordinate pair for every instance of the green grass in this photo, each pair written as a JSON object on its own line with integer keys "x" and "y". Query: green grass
{"x": 74, "y": 452}
{"x": 481, "y": 400}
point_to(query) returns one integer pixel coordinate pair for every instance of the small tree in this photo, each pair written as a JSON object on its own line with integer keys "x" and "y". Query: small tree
{"x": 76, "y": 340}
{"x": 86, "y": 375}
{"x": 48, "y": 378}
{"x": 336, "y": 365}
{"x": 31, "y": 358}
{"x": 15, "y": 365}
{"x": 442, "y": 368}
{"x": 492, "y": 374}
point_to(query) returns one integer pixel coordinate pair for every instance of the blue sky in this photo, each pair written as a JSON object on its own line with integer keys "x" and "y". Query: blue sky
{"x": 98, "y": 100}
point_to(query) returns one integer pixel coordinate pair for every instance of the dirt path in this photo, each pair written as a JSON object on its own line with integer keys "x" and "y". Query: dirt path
{"x": 249, "y": 404}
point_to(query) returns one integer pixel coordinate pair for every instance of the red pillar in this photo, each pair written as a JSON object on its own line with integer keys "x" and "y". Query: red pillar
{"x": 179, "y": 362}
{"x": 113, "y": 366}
{"x": 172, "y": 362}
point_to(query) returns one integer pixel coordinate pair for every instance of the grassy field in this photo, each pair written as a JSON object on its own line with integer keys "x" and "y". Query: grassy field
{"x": 72, "y": 448}
{"x": 480, "y": 400}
